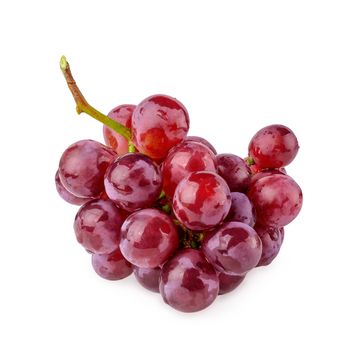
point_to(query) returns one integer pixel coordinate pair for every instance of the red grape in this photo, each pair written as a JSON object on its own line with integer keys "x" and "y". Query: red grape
{"x": 158, "y": 123}
{"x": 111, "y": 266}
{"x": 267, "y": 172}
{"x": 97, "y": 226}
{"x": 202, "y": 200}
{"x": 277, "y": 200}
{"x": 202, "y": 141}
{"x": 272, "y": 239}
{"x": 234, "y": 248}
{"x": 133, "y": 182}
{"x": 188, "y": 282}
{"x": 241, "y": 209}
{"x": 66, "y": 195}
{"x": 184, "y": 159}
{"x": 121, "y": 114}
{"x": 274, "y": 146}
{"x": 228, "y": 283}
{"x": 148, "y": 238}
{"x": 235, "y": 171}
{"x": 82, "y": 167}
{"x": 148, "y": 277}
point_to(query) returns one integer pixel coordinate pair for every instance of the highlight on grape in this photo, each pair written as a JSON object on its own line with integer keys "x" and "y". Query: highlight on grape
{"x": 187, "y": 222}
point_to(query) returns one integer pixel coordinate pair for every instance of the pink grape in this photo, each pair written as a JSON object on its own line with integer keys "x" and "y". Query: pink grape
{"x": 184, "y": 159}
{"x": 228, "y": 283}
{"x": 159, "y": 123}
{"x": 188, "y": 282}
{"x": 241, "y": 210}
{"x": 97, "y": 226}
{"x": 66, "y": 195}
{"x": 202, "y": 200}
{"x": 274, "y": 146}
{"x": 148, "y": 238}
{"x": 121, "y": 114}
{"x": 133, "y": 182}
{"x": 111, "y": 266}
{"x": 234, "y": 248}
{"x": 82, "y": 168}
{"x": 148, "y": 277}
{"x": 277, "y": 200}
{"x": 202, "y": 141}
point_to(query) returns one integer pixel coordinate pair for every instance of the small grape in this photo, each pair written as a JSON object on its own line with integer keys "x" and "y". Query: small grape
{"x": 241, "y": 210}
{"x": 202, "y": 141}
{"x": 148, "y": 277}
{"x": 274, "y": 146}
{"x": 228, "y": 283}
{"x": 111, "y": 266}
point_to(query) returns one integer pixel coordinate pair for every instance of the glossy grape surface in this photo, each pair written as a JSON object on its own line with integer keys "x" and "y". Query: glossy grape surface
{"x": 133, "y": 182}
{"x": 183, "y": 160}
{"x": 241, "y": 210}
{"x": 202, "y": 141}
{"x": 148, "y": 277}
{"x": 111, "y": 266}
{"x": 121, "y": 114}
{"x": 188, "y": 282}
{"x": 228, "y": 283}
{"x": 274, "y": 146}
{"x": 82, "y": 168}
{"x": 66, "y": 195}
{"x": 272, "y": 239}
{"x": 277, "y": 200}
{"x": 202, "y": 200}
{"x": 234, "y": 248}
{"x": 97, "y": 226}
{"x": 235, "y": 171}
{"x": 148, "y": 238}
{"x": 267, "y": 172}
{"x": 159, "y": 123}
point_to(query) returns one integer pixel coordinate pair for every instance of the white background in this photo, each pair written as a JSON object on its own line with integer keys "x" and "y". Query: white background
{"x": 237, "y": 66}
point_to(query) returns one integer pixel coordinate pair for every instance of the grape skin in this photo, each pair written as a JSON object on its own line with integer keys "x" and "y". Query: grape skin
{"x": 97, "y": 226}
{"x": 121, "y": 114}
{"x": 159, "y": 123}
{"x": 82, "y": 167}
{"x": 277, "y": 200}
{"x": 184, "y": 159}
{"x": 111, "y": 266}
{"x": 229, "y": 283}
{"x": 274, "y": 146}
{"x": 148, "y": 238}
{"x": 202, "y": 141}
{"x": 66, "y": 195}
{"x": 188, "y": 282}
{"x": 241, "y": 210}
{"x": 234, "y": 248}
{"x": 148, "y": 277}
{"x": 133, "y": 182}
{"x": 202, "y": 200}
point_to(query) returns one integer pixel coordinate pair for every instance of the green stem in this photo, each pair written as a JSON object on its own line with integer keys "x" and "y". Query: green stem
{"x": 84, "y": 107}
{"x": 131, "y": 147}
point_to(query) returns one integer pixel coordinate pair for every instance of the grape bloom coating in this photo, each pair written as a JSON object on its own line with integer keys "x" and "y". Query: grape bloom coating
{"x": 186, "y": 221}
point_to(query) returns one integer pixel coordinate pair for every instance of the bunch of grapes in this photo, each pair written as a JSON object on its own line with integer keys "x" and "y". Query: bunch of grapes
{"x": 187, "y": 222}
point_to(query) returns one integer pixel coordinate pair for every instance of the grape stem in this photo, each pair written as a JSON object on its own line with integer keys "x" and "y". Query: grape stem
{"x": 82, "y": 106}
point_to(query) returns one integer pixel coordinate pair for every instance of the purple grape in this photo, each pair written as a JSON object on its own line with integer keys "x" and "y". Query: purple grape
{"x": 111, "y": 266}
{"x": 82, "y": 168}
{"x": 234, "y": 248}
{"x": 97, "y": 226}
{"x": 235, "y": 172}
{"x": 66, "y": 195}
{"x": 133, "y": 182}
{"x": 188, "y": 282}
{"x": 241, "y": 210}
{"x": 228, "y": 283}
{"x": 148, "y": 238}
{"x": 272, "y": 239}
{"x": 148, "y": 277}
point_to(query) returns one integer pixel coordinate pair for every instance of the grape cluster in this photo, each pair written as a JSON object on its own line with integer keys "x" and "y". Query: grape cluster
{"x": 187, "y": 222}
